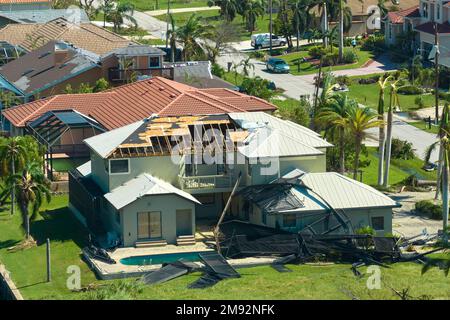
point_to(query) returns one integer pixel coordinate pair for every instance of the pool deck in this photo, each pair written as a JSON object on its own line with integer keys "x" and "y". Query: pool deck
{"x": 107, "y": 271}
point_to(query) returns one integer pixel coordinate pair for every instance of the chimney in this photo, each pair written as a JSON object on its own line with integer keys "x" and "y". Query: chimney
{"x": 61, "y": 53}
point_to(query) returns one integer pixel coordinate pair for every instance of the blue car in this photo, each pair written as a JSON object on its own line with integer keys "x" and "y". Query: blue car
{"x": 277, "y": 65}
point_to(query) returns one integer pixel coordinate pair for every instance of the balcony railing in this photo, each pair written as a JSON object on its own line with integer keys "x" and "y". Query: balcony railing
{"x": 123, "y": 75}
{"x": 206, "y": 182}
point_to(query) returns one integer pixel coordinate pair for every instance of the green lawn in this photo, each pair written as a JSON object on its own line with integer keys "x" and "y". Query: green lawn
{"x": 367, "y": 94}
{"x": 306, "y": 282}
{"x": 212, "y": 17}
{"x": 400, "y": 169}
{"x": 149, "y": 5}
{"x": 424, "y": 126}
{"x": 308, "y": 68}
{"x": 64, "y": 165}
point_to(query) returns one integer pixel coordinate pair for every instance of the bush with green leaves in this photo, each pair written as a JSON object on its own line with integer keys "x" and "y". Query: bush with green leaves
{"x": 294, "y": 110}
{"x": 123, "y": 290}
{"x": 373, "y": 42}
{"x": 429, "y": 208}
{"x": 419, "y": 101}
{"x": 217, "y": 70}
{"x": 343, "y": 80}
{"x": 257, "y": 87}
{"x": 350, "y": 56}
{"x": 317, "y": 52}
{"x": 410, "y": 90}
{"x": 402, "y": 149}
{"x": 330, "y": 59}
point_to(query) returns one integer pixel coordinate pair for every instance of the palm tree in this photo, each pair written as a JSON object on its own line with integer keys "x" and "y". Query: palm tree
{"x": 445, "y": 145}
{"x": 252, "y": 9}
{"x": 106, "y": 7}
{"x": 300, "y": 17}
{"x": 228, "y": 8}
{"x": 359, "y": 120}
{"x": 172, "y": 36}
{"x": 13, "y": 155}
{"x": 382, "y": 83}
{"x": 246, "y": 66}
{"x": 345, "y": 22}
{"x": 119, "y": 13}
{"x": 335, "y": 116}
{"x": 31, "y": 188}
{"x": 189, "y": 33}
{"x": 394, "y": 102}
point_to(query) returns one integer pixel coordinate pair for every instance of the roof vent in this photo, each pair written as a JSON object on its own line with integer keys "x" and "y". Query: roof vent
{"x": 161, "y": 88}
{"x": 150, "y": 81}
{"x": 173, "y": 95}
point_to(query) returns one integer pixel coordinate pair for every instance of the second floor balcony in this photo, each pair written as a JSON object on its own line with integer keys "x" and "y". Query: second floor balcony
{"x": 129, "y": 75}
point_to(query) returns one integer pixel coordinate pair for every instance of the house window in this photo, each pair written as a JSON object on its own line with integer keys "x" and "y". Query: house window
{"x": 378, "y": 223}
{"x": 154, "y": 62}
{"x": 249, "y": 168}
{"x": 264, "y": 217}
{"x": 425, "y": 10}
{"x": 206, "y": 198}
{"x": 438, "y": 12}
{"x": 289, "y": 220}
{"x": 149, "y": 225}
{"x": 119, "y": 166}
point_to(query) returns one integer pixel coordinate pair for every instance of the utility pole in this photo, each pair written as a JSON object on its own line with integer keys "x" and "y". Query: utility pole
{"x": 325, "y": 25}
{"x": 436, "y": 68}
{"x": 270, "y": 27}
{"x": 167, "y": 24}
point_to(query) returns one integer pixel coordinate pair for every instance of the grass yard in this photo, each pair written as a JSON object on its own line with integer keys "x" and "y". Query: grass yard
{"x": 64, "y": 165}
{"x": 149, "y": 5}
{"x": 306, "y": 282}
{"x": 212, "y": 17}
{"x": 308, "y": 68}
{"x": 422, "y": 125}
{"x": 399, "y": 170}
{"x": 367, "y": 94}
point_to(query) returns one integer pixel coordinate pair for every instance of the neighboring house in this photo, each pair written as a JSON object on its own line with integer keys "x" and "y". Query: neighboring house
{"x": 16, "y": 5}
{"x": 51, "y": 68}
{"x": 198, "y": 74}
{"x": 86, "y": 36}
{"x": 74, "y": 15}
{"x": 121, "y": 106}
{"x": 150, "y": 182}
{"x": 428, "y": 19}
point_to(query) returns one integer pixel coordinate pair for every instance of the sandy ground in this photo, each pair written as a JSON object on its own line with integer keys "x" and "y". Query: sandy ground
{"x": 408, "y": 224}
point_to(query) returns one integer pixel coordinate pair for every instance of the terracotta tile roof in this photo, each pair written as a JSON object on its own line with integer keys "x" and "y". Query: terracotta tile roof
{"x": 24, "y": 1}
{"x": 129, "y": 103}
{"x": 399, "y": 16}
{"x": 428, "y": 27}
{"x": 85, "y": 35}
{"x": 361, "y": 8}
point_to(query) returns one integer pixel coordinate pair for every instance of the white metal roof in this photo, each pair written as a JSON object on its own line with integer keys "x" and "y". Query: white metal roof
{"x": 107, "y": 142}
{"x": 85, "y": 169}
{"x": 340, "y": 192}
{"x": 143, "y": 185}
{"x": 289, "y": 128}
{"x": 267, "y": 142}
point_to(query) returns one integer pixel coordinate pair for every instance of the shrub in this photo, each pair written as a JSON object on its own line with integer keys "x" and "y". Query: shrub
{"x": 343, "y": 80}
{"x": 432, "y": 210}
{"x": 317, "y": 52}
{"x": 374, "y": 42}
{"x": 294, "y": 110}
{"x": 350, "y": 56}
{"x": 257, "y": 87}
{"x": 402, "y": 149}
{"x": 419, "y": 102}
{"x": 410, "y": 90}
{"x": 366, "y": 230}
{"x": 370, "y": 80}
{"x": 330, "y": 59}
{"x": 217, "y": 70}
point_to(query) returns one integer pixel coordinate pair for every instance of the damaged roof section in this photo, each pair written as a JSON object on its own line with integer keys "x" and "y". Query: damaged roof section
{"x": 157, "y": 136}
{"x": 47, "y": 66}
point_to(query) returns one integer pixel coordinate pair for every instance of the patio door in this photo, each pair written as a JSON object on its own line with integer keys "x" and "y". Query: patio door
{"x": 149, "y": 225}
{"x": 184, "y": 222}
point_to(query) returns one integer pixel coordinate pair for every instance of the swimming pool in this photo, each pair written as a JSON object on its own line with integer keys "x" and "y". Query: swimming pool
{"x": 160, "y": 258}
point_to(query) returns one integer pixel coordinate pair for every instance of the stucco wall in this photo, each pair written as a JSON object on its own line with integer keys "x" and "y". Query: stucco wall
{"x": 166, "y": 204}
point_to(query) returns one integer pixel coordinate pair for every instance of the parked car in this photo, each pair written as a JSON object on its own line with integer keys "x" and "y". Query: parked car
{"x": 277, "y": 65}
{"x": 262, "y": 40}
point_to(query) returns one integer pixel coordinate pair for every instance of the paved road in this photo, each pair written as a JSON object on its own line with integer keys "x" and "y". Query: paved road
{"x": 180, "y": 10}
{"x": 420, "y": 139}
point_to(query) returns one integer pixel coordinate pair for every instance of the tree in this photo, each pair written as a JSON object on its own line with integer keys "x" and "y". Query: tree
{"x": 89, "y": 7}
{"x": 101, "y": 85}
{"x": 13, "y": 155}
{"x": 190, "y": 33}
{"x": 300, "y": 17}
{"x": 106, "y": 8}
{"x": 228, "y": 8}
{"x": 119, "y": 13}
{"x": 257, "y": 87}
{"x": 7, "y": 100}
{"x": 359, "y": 120}
{"x": 246, "y": 66}
{"x": 252, "y": 9}
{"x": 394, "y": 102}
{"x": 345, "y": 22}
{"x": 30, "y": 188}
{"x": 220, "y": 38}
{"x": 172, "y": 36}
{"x": 335, "y": 117}
{"x": 382, "y": 83}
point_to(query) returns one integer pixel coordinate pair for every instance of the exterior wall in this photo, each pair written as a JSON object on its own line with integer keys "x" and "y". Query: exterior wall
{"x": 89, "y": 77}
{"x": 166, "y": 204}
{"x": 99, "y": 172}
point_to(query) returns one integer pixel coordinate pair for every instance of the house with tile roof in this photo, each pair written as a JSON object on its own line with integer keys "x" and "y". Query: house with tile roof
{"x": 152, "y": 182}
{"x": 426, "y": 19}
{"x": 51, "y": 68}
{"x": 42, "y": 16}
{"x": 16, "y": 5}
{"x": 118, "y": 107}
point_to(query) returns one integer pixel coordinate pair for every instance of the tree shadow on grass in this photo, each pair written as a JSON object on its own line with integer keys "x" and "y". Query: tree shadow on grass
{"x": 59, "y": 225}
{"x": 8, "y": 243}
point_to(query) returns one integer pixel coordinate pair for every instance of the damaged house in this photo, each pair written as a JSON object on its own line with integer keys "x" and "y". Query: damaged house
{"x": 152, "y": 182}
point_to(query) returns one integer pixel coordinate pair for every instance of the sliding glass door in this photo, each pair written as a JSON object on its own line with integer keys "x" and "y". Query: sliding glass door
{"x": 149, "y": 225}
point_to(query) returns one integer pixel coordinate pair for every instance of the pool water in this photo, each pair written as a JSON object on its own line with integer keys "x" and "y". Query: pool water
{"x": 160, "y": 258}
